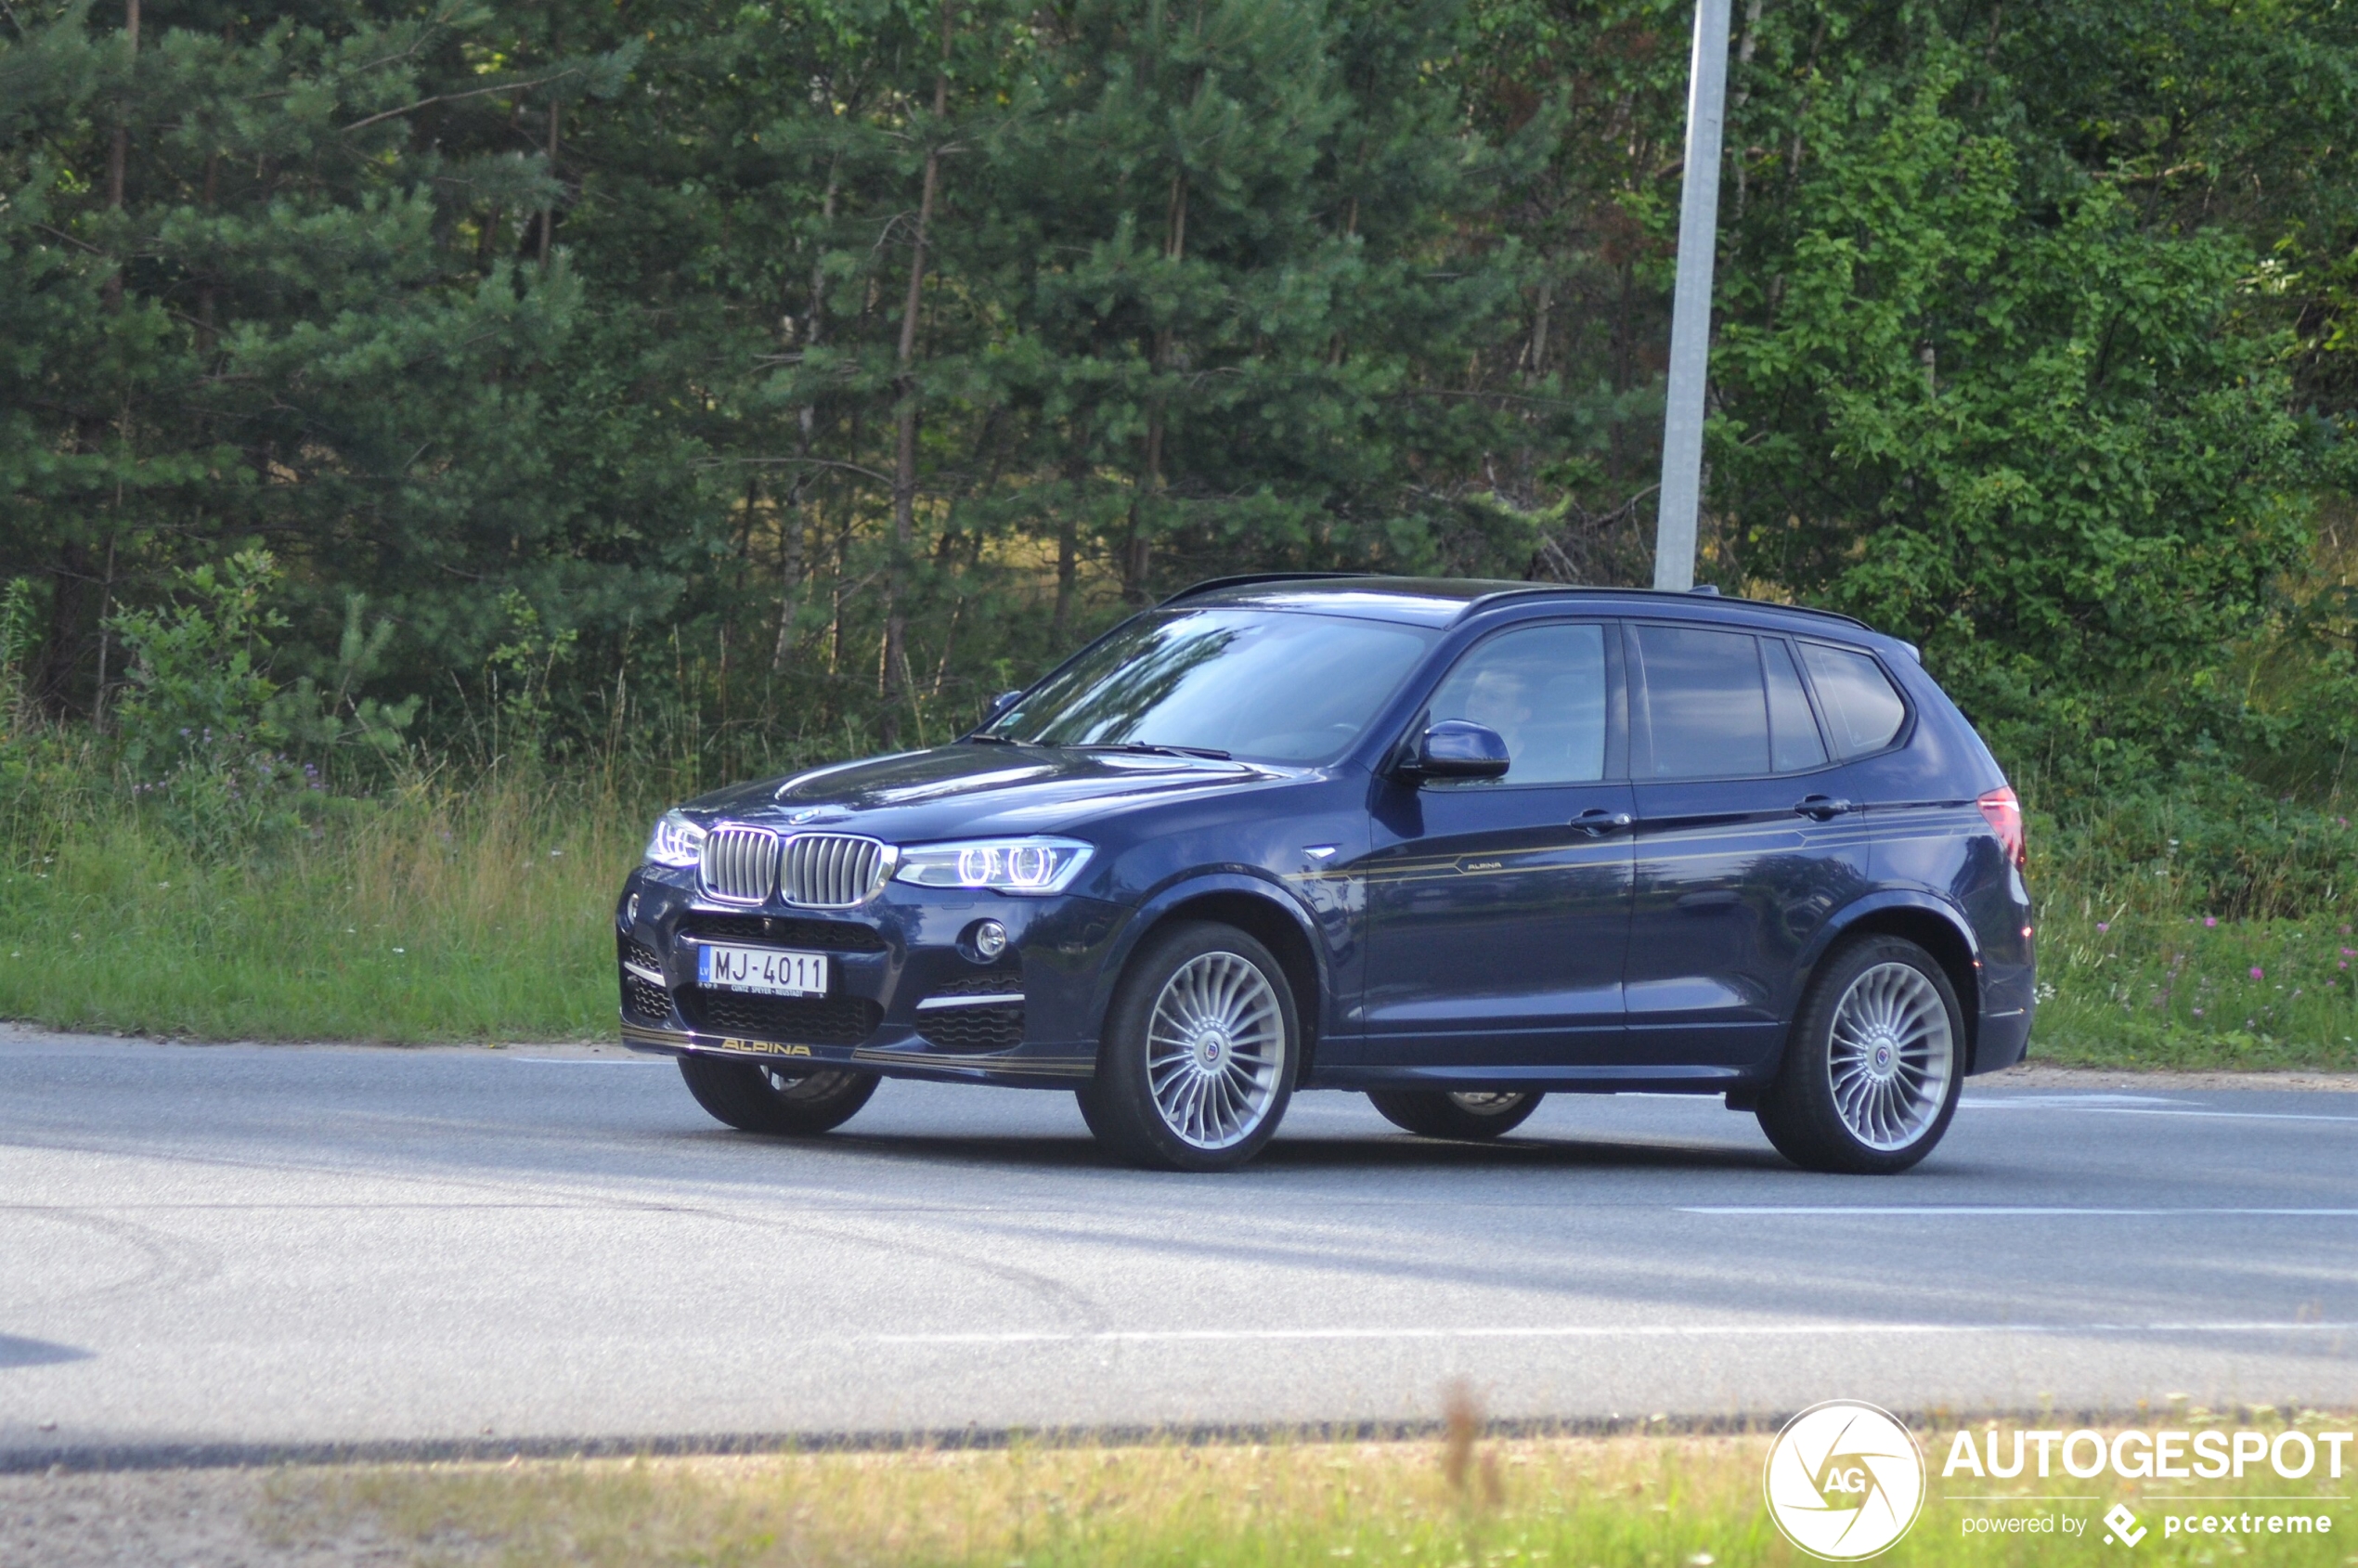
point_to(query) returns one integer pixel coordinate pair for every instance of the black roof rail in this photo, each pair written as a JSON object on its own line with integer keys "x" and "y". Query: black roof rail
{"x": 1245, "y": 580}
{"x": 1488, "y": 599}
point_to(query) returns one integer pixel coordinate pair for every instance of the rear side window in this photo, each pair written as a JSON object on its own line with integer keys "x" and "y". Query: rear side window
{"x": 1543, "y": 689}
{"x": 1793, "y": 731}
{"x": 1707, "y": 713}
{"x": 1861, "y": 710}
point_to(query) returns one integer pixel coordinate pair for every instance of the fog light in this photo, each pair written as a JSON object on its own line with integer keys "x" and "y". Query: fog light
{"x": 631, "y": 910}
{"x": 991, "y": 939}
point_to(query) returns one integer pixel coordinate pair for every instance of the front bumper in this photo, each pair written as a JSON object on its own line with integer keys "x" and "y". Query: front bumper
{"x": 904, "y": 996}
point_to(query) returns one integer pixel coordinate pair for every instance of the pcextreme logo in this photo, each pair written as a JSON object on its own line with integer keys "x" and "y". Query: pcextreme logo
{"x": 1844, "y": 1480}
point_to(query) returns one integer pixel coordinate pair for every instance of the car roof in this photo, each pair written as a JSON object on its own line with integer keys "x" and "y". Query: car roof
{"x": 1440, "y": 601}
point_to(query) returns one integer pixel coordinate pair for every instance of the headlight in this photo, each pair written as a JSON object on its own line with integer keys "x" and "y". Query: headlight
{"x": 1003, "y": 865}
{"x": 676, "y": 841}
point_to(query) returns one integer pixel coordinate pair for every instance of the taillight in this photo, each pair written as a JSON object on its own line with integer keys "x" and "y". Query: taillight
{"x": 2004, "y": 813}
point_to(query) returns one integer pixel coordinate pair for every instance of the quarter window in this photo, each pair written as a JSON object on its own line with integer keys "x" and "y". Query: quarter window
{"x": 1861, "y": 710}
{"x": 1707, "y": 715}
{"x": 1543, "y": 689}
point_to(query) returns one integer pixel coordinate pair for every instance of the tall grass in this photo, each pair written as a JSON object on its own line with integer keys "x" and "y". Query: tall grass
{"x": 2171, "y": 936}
{"x": 431, "y": 914}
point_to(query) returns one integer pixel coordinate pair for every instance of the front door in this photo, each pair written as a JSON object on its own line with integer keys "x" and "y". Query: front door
{"x": 1498, "y": 909}
{"x": 1748, "y": 839}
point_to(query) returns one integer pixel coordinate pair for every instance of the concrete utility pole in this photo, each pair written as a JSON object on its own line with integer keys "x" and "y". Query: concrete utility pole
{"x": 1681, "y": 490}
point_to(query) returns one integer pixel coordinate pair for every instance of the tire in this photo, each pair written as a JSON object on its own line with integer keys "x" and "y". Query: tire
{"x": 1874, "y": 1066}
{"x": 1442, "y": 1113}
{"x": 756, "y": 1097}
{"x": 1204, "y": 1011}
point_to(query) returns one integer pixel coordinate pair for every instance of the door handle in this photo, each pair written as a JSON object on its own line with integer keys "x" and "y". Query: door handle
{"x": 1597, "y": 822}
{"x": 1824, "y": 808}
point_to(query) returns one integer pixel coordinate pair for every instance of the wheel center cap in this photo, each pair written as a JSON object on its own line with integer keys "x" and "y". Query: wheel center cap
{"x": 1209, "y": 1046}
{"x": 1881, "y": 1057}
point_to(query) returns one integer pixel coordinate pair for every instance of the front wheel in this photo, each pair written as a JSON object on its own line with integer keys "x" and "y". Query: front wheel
{"x": 1872, "y": 1072}
{"x": 757, "y": 1098}
{"x": 1201, "y": 1050}
{"x": 1470, "y": 1115}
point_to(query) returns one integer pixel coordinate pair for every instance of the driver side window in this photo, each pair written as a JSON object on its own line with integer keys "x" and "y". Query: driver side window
{"x": 1543, "y": 688}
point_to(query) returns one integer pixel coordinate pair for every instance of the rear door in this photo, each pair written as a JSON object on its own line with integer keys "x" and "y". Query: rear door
{"x": 1498, "y": 909}
{"x": 1748, "y": 837}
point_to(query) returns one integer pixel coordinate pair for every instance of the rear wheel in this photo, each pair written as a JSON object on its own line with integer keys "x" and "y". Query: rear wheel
{"x": 1439, "y": 1113}
{"x": 757, "y": 1098}
{"x": 1871, "y": 1073}
{"x": 1200, "y": 1054}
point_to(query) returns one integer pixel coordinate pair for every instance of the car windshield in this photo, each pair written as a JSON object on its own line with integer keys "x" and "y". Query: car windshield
{"x": 1276, "y": 686}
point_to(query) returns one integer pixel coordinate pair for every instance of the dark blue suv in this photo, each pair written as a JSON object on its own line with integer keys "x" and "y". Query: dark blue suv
{"x": 1452, "y": 844}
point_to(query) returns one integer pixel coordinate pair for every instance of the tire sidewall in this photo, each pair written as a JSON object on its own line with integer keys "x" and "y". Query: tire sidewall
{"x": 1119, "y": 1103}
{"x": 1798, "y": 1110}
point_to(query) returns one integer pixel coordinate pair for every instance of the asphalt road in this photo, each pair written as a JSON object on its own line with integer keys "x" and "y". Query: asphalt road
{"x": 268, "y": 1246}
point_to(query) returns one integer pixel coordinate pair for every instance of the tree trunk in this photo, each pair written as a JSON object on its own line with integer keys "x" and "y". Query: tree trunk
{"x": 794, "y": 524}
{"x": 119, "y": 156}
{"x": 1137, "y": 550}
{"x": 549, "y": 213}
{"x": 895, "y": 676}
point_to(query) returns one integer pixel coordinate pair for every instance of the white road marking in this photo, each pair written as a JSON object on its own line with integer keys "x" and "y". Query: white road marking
{"x": 1576, "y": 1331}
{"x": 2140, "y": 1111}
{"x": 1977, "y": 1210}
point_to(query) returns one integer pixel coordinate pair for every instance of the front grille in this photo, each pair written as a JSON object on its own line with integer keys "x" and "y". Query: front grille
{"x": 740, "y": 865}
{"x": 827, "y": 936}
{"x": 974, "y": 1029}
{"x": 829, "y": 1021}
{"x": 831, "y": 870}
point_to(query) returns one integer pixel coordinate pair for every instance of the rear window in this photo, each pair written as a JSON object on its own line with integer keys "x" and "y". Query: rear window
{"x": 1707, "y": 715}
{"x": 1861, "y": 710}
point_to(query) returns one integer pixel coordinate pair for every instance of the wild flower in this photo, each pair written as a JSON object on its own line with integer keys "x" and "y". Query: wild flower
{"x": 2258, "y": 973}
{"x": 2208, "y": 921}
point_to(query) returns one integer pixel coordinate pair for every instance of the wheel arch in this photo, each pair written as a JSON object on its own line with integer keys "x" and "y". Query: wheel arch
{"x": 1939, "y": 930}
{"x": 1260, "y": 910}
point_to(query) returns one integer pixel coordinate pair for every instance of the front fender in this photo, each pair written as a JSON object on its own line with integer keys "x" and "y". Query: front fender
{"x": 1161, "y": 904}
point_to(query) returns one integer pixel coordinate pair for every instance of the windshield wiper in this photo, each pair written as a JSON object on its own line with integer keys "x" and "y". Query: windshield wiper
{"x": 981, "y": 739}
{"x": 1143, "y": 748}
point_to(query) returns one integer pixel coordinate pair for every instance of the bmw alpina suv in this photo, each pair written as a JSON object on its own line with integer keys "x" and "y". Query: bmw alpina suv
{"x": 1454, "y": 845}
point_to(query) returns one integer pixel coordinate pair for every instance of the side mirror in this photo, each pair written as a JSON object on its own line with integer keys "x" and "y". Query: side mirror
{"x": 1000, "y": 705}
{"x": 1457, "y": 748}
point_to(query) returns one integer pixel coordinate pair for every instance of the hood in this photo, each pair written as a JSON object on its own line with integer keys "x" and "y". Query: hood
{"x": 972, "y": 791}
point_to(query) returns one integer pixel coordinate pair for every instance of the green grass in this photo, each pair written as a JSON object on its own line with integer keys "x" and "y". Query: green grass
{"x": 471, "y": 917}
{"x": 2178, "y": 990}
{"x": 1574, "y": 1502}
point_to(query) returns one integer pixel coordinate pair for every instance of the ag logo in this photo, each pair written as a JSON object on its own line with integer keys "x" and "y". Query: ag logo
{"x": 1844, "y": 1480}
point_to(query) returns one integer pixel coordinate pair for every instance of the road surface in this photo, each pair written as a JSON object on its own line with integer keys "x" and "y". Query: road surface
{"x": 238, "y": 1250}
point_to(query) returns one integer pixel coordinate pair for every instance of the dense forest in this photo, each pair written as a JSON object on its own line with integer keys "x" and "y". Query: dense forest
{"x": 731, "y": 383}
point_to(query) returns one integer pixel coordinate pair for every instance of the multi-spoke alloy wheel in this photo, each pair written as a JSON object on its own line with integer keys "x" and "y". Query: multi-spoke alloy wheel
{"x": 1215, "y": 1046}
{"x": 1871, "y": 1070}
{"x": 1472, "y": 1114}
{"x": 1889, "y": 1062}
{"x": 757, "y": 1097}
{"x": 1198, "y": 1057}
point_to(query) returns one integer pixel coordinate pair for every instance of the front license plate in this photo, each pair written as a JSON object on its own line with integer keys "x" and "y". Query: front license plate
{"x": 764, "y": 970}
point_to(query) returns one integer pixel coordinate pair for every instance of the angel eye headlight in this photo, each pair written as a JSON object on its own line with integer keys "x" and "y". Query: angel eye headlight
{"x": 676, "y": 841}
{"x": 1001, "y": 865}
